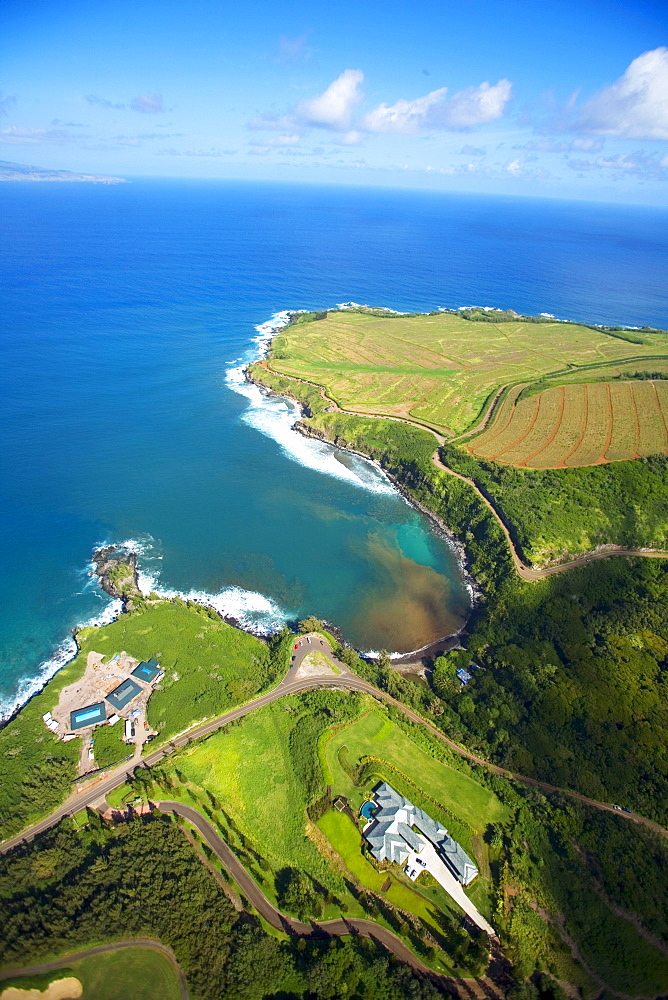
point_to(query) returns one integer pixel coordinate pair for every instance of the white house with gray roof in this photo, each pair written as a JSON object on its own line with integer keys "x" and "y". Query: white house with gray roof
{"x": 391, "y": 836}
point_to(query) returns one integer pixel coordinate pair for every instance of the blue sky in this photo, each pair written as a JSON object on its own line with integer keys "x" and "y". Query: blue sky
{"x": 559, "y": 99}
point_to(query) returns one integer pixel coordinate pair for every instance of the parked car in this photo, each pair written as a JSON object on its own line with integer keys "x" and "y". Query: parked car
{"x": 419, "y": 861}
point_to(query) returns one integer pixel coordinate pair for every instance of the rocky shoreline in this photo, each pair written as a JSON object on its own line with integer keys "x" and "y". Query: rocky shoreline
{"x": 107, "y": 562}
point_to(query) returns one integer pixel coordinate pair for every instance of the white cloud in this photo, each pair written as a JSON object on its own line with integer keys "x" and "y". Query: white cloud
{"x": 148, "y": 104}
{"x": 334, "y": 108}
{"x": 292, "y": 50}
{"x": 476, "y": 105}
{"x": 16, "y": 135}
{"x": 465, "y": 109}
{"x": 404, "y": 116}
{"x": 207, "y": 153}
{"x": 640, "y": 164}
{"x": 636, "y": 105}
{"x": 352, "y": 138}
{"x": 104, "y": 102}
{"x": 583, "y": 145}
{"x": 291, "y": 139}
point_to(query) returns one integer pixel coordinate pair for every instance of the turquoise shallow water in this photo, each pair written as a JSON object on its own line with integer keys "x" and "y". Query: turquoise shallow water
{"x": 125, "y": 314}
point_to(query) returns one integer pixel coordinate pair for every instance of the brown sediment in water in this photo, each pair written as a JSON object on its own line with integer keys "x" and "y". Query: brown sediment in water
{"x": 410, "y": 606}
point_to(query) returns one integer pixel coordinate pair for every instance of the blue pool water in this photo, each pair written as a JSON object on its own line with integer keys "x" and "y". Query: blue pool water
{"x": 368, "y": 810}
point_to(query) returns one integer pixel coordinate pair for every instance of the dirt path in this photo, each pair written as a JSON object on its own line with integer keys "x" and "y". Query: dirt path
{"x": 526, "y": 573}
{"x": 101, "y": 949}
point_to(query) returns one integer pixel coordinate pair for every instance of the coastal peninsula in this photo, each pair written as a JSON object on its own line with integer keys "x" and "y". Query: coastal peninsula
{"x": 23, "y": 173}
{"x": 532, "y": 755}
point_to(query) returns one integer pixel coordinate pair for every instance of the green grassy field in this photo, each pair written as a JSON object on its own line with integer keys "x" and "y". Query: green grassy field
{"x": 249, "y": 776}
{"x": 441, "y": 369}
{"x": 459, "y": 797}
{"x": 109, "y": 746}
{"x": 141, "y": 973}
{"x": 249, "y": 771}
{"x": 209, "y": 667}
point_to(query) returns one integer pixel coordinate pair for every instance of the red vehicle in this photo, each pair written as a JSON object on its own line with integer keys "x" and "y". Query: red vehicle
{"x": 296, "y": 645}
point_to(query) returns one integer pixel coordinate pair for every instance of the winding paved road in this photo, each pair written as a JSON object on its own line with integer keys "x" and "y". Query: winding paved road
{"x": 89, "y": 792}
{"x": 340, "y": 927}
{"x": 93, "y": 792}
{"x": 100, "y": 949}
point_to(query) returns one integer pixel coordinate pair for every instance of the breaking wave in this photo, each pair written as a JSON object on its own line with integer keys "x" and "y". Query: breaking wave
{"x": 275, "y": 417}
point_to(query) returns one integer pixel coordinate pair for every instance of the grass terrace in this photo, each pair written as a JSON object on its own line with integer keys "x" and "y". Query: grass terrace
{"x": 255, "y": 779}
{"x": 442, "y": 369}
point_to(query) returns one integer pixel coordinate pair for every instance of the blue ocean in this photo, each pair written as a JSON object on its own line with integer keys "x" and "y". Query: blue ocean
{"x": 128, "y": 313}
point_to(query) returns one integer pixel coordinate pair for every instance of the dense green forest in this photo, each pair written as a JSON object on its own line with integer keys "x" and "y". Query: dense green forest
{"x": 572, "y": 682}
{"x": 552, "y": 512}
{"x": 558, "y": 866}
{"x": 142, "y": 878}
{"x": 573, "y": 685}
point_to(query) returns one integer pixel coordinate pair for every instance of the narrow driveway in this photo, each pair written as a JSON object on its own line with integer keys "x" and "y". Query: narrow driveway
{"x": 454, "y": 889}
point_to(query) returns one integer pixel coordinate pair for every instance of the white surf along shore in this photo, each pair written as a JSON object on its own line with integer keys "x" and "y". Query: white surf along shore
{"x": 274, "y": 417}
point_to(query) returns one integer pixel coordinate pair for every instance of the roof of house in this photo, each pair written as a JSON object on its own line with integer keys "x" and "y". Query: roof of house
{"x": 124, "y": 693}
{"x": 89, "y": 715}
{"x": 391, "y": 836}
{"x": 147, "y": 670}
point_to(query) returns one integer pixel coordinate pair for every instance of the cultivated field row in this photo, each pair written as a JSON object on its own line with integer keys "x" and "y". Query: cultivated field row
{"x": 578, "y": 424}
{"x": 443, "y": 370}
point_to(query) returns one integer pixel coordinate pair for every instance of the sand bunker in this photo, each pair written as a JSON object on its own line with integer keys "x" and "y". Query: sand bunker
{"x": 59, "y": 989}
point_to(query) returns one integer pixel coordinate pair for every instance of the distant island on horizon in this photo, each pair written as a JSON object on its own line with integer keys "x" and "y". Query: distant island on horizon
{"x": 24, "y": 172}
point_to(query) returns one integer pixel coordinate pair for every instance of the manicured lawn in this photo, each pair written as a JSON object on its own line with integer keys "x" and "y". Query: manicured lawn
{"x": 140, "y": 973}
{"x": 423, "y": 901}
{"x": 377, "y": 736}
{"x": 346, "y": 841}
{"x": 249, "y": 771}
